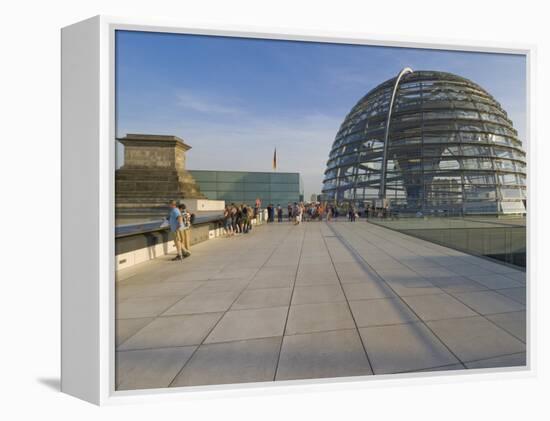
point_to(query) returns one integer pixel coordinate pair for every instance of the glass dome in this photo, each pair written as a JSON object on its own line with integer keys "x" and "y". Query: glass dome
{"x": 431, "y": 142}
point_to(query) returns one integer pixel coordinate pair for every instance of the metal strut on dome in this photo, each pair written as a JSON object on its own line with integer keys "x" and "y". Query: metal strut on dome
{"x": 382, "y": 191}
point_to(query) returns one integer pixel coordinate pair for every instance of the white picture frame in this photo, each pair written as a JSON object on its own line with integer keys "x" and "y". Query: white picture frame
{"x": 88, "y": 163}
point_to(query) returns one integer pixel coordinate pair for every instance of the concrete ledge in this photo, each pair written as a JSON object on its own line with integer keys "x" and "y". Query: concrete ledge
{"x": 142, "y": 247}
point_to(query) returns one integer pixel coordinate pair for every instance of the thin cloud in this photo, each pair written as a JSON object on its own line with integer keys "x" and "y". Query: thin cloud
{"x": 202, "y": 104}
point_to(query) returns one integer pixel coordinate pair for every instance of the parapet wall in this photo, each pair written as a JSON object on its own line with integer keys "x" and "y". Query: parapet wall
{"x": 140, "y": 243}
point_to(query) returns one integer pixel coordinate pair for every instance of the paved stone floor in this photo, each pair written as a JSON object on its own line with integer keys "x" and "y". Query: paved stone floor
{"x": 312, "y": 301}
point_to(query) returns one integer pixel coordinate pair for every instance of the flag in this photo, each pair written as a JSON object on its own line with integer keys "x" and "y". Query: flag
{"x": 275, "y": 159}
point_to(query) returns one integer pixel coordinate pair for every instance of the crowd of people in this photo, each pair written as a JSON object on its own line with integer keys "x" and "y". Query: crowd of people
{"x": 316, "y": 211}
{"x": 237, "y": 219}
{"x": 298, "y": 212}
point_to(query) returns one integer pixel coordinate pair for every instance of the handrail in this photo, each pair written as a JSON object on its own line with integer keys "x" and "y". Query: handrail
{"x": 154, "y": 226}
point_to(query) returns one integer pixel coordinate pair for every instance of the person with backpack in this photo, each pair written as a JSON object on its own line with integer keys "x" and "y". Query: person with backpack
{"x": 186, "y": 228}
{"x": 176, "y": 222}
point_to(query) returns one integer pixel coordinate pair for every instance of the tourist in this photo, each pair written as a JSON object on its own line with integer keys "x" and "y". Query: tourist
{"x": 176, "y": 222}
{"x": 351, "y": 213}
{"x": 245, "y": 219}
{"x": 227, "y": 225}
{"x": 298, "y": 212}
{"x": 257, "y": 206}
{"x": 239, "y": 219}
{"x": 186, "y": 228}
{"x": 279, "y": 213}
{"x": 250, "y": 217}
{"x": 234, "y": 225}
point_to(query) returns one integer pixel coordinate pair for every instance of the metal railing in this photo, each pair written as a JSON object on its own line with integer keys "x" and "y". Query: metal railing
{"x": 153, "y": 226}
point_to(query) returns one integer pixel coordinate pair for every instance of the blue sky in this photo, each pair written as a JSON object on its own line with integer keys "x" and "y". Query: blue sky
{"x": 235, "y": 99}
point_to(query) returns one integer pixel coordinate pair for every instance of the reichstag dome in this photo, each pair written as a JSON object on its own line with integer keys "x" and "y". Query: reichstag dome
{"x": 428, "y": 142}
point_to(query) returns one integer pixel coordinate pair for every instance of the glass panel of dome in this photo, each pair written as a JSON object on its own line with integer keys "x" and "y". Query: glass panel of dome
{"x": 480, "y": 179}
{"x": 511, "y": 179}
{"x": 446, "y": 165}
{"x": 479, "y": 163}
{"x": 480, "y": 193}
{"x": 511, "y": 193}
{"x": 470, "y": 150}
{"x": 513, "y": 207}
{"x": 505, "y": 164}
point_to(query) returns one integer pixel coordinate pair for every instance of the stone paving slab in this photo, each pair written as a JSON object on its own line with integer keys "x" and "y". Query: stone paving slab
{"x": 503, "y": 269}
{"x": 311, "y": 301}
{"x": 513, "y": 360}
{"x": 173, "y": 331}
{"x": 191, "y": 275}
{"x": 517, "y": 276}
{"x": 495, "y": 281}
{"x": 517, "y": 294}
{"x": 222, "y": 285}
{"x": 450, "y": 367}
{"x": 268, "y": 273}
{"x": 158, "y": 289}
{"x": 252, "y": 360}
{"x": 432, "y": 271}
{"x": 317, "y": 276}
{"x": 404, "y": 347}
{"x": 475, "y": 338}
{"x": 150, "y": 368}
{"x": 203, "y": 302}
{"x": 306, "y": 318}
{"x": 489, "y": 302}
{"x": 129, "y": 327}
{"x": 468, "y": 270}
{"x": 318, "y": 294}
{"x": 406, "y": 287}
{"x": 452, "y": 284}
{"x": 144, "y": 306}
{"x": 272, "y": 283}
{"x": 383, "y": 311}
{"x": 513, "y": 323}
{"x": 367, "y": 290}
{"x": 261, "y": 298}
{"x": 239, "y": 273}
{"x": 237, "y": 325}
{"x": 322, "y": 354}
{"x": 438, "y": 307}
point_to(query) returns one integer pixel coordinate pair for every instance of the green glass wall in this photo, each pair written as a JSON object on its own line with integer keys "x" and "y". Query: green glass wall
{"x": 245, "y": 187}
